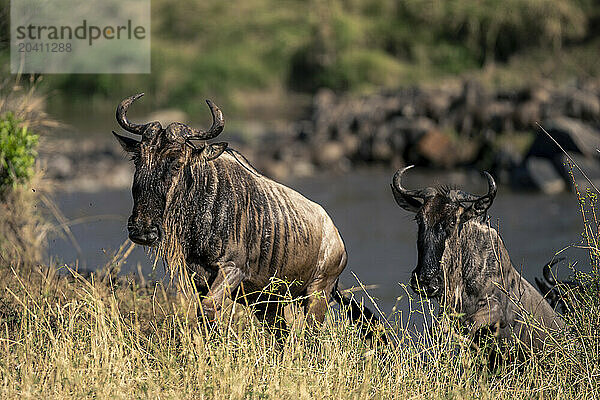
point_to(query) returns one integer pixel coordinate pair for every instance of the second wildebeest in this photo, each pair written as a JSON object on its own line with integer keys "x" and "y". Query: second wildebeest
{"x": 206, "y": 209}
{"x": 462, "y": 262}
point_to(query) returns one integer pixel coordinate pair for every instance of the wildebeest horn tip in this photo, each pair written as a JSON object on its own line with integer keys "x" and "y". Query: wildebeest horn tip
{"x": 419, "y": 193}
{"x": 216, "y": 127}
{"x": 492, "y": 188}
{"x": 121, "y": 115}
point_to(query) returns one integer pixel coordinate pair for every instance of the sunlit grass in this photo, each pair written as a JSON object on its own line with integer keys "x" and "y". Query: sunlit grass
{"x": 111, "y": 336}
{"x": 65, "y": 336}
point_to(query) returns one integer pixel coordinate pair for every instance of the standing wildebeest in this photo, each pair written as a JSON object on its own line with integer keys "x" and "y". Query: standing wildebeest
{"x": 204, "y": 207}
{"x": 463, "y": 262}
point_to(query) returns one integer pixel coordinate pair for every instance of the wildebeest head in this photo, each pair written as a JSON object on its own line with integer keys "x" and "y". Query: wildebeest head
{"x": 160, "y": 157}
{"x": 440, "y": 213}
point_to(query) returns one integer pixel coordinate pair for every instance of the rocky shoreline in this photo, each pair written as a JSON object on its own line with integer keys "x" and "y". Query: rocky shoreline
{"x": 454, "y": 126}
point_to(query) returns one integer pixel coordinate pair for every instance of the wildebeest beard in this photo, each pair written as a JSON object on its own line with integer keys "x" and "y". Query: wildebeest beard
{"x": 201, "y": 206}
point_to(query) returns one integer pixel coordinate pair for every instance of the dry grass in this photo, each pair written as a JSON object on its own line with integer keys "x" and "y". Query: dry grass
{"x": 65, "y": 336}
{"x": 21, "y": 98}
{"x": 110, "y": 336}
{"x": 22, "y": 229}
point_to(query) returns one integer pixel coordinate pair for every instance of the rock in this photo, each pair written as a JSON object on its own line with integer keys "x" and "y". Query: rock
{"x": 526, "y": 114}
{"x": 437, "y": 104}
{"x": 505, "y": 160}
{"x": 538, "y": 174}
{"x": 437, "y": 148}
{"x": 351, "y": 144}
{"x": 277, "y": 170}
{"x": 411, "y": 128}
{"x": 473, "y": 94}
{"x": 540, "y": 94}
{"x": 498, "y": 115}
{"x": 584, "y": 105}
{"x": 302, "y": 169}
{"x": 408, "y": 111}
{"x": 304, "y": 131}
{"x": 329, "y": 153}
{"x": 398, "y": 143}
{"x": 324, "y": 98}
{"x": 381, "y": 150}
{"x": 573, "y": 176}
{"x": 572, "y": 135}
{"x": 365, "y": 150}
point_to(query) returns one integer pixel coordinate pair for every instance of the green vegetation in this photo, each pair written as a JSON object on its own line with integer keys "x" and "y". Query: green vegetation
{"x": 228, "y": 50}
{"x": 17, "y": 152}
{"x": 22, "y": 229}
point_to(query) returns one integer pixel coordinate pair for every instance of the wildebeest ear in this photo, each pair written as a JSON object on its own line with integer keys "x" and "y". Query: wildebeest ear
{"x": 128, "y": 144}
{"x": 214, "y": 150}
{"x": 476, "y": 209}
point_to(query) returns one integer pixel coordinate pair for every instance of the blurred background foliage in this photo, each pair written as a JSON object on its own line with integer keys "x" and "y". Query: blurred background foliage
{"x": 233, "y": 50}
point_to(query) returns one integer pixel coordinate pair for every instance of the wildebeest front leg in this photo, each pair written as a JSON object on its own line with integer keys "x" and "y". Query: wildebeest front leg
{"x": 488, "y": 326}
{"x": 318, "y": 297}
{"x": 488, "y": 323}
{"x": 320, "y": 289}
{"x": 228, "y": 279}
{"x": 488, "y": 315}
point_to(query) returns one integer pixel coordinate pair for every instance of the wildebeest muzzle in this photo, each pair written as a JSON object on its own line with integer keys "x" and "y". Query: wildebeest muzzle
{"x": 146, "y": 235}
{"x": 429, "y": 286}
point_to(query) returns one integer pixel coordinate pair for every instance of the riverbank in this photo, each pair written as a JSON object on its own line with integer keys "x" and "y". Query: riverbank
{"x": 460, "y": 125}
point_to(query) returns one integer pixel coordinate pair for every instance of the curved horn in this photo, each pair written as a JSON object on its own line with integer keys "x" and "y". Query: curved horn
{"x": 492, "y": 188}
{"x": 215, "y": 129}
{"x": 410, "y": 200}
{"x": 482, "y": 203}
{"x": 419, "y": 193}
{"x": 122, "y": 115}
{"x": 462, "y": 196}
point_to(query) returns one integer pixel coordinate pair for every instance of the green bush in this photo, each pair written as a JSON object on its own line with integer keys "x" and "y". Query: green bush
{"x": 210, "y": 48}
{"x": 17, "y": 152}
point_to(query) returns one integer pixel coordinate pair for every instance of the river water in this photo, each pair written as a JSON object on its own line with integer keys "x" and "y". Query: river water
{"x": 380, "y": 237}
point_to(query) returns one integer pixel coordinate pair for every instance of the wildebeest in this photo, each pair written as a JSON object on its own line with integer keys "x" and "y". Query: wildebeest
{"x": 462, "y": 262}
{"x": 204, "y": 207}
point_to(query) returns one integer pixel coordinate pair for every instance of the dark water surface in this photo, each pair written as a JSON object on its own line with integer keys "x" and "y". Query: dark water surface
{"x": 380, "y": 237}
